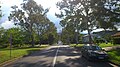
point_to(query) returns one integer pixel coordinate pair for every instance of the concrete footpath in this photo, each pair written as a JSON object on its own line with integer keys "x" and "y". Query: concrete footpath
{"x": 112, "y": 48}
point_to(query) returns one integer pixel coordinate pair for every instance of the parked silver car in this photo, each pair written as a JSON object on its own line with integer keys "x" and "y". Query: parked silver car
{"x": 93, "y": 52}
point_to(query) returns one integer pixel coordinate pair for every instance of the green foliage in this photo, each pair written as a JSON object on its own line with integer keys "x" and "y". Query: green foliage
{"x": 17, "y": 37}
{"x": 66, "y": 39}
{"x": 0, "y": 11}
{"x": 114, "y": 56}
{"x": 74, "y": 45}
{"x": 35, "y": 15}
{"x": 108, "y": 17}
{"x": 71, "y": 38}
{"x": 5, "y": 53}
{"x": 51, "y": 39}
{"x": 32, "y": 19}
{"x": 108, "y": 37}
{"x": 106, "y": 45}
{"x": 116, "y": 40}
{"x": 74, "y": 15}
{"x": 2, "y": 37}
{"x": 89, "y": 14}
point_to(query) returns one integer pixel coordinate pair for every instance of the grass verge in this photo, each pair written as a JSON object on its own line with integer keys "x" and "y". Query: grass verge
{"x": 74, "y": 45}
{"x": 114, "y": 56}
{"x": 15, "y": 53}
{"x": 107, "y": 45}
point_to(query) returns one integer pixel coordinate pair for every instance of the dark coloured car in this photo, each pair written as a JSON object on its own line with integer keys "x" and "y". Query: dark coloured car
{"x": 93, "y": 52}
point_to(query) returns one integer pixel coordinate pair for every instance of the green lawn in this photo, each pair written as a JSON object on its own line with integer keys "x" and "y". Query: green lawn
{"x": 107, "y": 45}
{"x": 74, "y": 45}
{"x": 5, "y": 53}
{"x": 114, "y": 56}
{"x": 101, "y": 45}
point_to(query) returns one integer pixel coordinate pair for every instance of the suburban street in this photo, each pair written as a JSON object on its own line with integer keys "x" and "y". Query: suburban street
{"x": 57, "y": 56}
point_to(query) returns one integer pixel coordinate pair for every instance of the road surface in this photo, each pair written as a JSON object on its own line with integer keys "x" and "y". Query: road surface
{"x": 57, "y": 56}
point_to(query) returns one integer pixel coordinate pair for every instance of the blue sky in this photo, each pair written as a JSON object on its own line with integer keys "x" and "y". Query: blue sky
{"x": 6, "y": 8}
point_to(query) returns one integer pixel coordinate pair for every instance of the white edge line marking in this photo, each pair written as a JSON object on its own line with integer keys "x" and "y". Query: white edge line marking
{"x": 54, "y": 61}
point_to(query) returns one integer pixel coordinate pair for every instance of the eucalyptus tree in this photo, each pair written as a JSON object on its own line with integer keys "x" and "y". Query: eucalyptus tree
{"x": 109, "y": 14}
{"x": 41, "y": 26}
{"x": 51, "y": 33}
{"x": 69, "y": 29}
{"x": 46, "y": 33}
{"x": 0, "y": 11}
{"x": 91, "y": 14}
{"x": 69, "y": 15}
{"x": 3, "y": 39}
{"x": 28, "y": 16}
{"x": 78, "y": 12}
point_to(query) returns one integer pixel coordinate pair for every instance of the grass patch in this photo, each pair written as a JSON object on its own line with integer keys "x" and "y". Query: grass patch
{"x": 5, "y": 53}
{"x": 114, "y": 56}
{"x": 106, "y": 45}
{"x": 74, "y": 45}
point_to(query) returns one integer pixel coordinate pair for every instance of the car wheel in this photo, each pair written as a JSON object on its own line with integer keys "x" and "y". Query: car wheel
{"x": 88, "y": 58}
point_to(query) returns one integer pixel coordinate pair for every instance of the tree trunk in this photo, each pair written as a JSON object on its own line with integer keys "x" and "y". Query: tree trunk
{"x": 77, "y": 38}
{"x": 90, "y": 38}
{"x": 89, "y": 31}
{"x": 32, "y": 38}
{"x": 39, "y": 36}
{"x": 77, "y": 32}
{"x": 40, "y": 39}
{"x": 68, "y": 40}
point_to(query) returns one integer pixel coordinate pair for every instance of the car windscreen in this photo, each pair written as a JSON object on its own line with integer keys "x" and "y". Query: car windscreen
{"x": 94, "y": 48}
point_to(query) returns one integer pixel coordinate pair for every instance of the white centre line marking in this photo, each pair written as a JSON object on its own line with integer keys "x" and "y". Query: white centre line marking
{"x": 54, "y": 60}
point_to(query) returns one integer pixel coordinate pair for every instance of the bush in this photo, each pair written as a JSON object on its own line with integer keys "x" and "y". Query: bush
{"x": 115, "y": 56}
{"x": 116, "y": 40}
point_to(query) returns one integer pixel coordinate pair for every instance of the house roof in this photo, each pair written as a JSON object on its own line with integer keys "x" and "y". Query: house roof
{"x": 116, "y": 35}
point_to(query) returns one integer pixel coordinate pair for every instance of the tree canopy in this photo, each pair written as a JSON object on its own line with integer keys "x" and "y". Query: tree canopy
{"x": 31, "y": 18}
{"x": 89, "y": 14}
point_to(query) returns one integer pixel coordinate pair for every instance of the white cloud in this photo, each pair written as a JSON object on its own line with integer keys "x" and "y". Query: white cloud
{"x": 8, "y": 24}
{"x": 97, "y": 30}
{"x": 84, "y": 32}
{"x": 6, "y": 8}
{"x": 49, "y": 4}
{"x": 53, "y": 9}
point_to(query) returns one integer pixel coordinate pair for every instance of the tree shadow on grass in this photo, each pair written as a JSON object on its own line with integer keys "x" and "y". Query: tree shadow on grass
{"x": 28, "y": 64}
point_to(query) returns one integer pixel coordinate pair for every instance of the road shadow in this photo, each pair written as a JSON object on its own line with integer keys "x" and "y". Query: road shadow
{"x": 45, "y": 57}
{"x": 79, "y": 61}
{"x": 51, "y": 52}
{"x": 82, "y": 62}
{"x": 71, "y": 52}
{"x": 27, "y": 64}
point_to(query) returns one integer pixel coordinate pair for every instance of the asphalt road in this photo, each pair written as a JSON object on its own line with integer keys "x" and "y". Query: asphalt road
{"x": 57, "y": 56}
